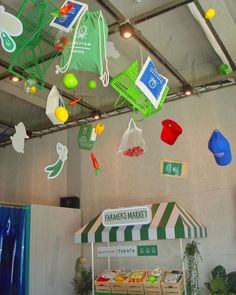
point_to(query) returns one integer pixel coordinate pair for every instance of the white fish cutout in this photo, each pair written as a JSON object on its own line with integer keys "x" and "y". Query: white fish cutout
{"x": 9, "y": 26}
{"x": 18, "y": 139}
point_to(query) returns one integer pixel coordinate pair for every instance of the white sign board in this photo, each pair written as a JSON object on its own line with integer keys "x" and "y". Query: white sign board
{"x": 126, "y": 216}
{"x": 106, "y": 251}
{"x": 126, "y": 251}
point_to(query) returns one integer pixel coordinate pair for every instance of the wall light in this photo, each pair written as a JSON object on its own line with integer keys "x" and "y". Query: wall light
{"x": 14, "y": 78}
{"x": 126, "y": 30}
{"x": 188, "y": 90}
{"x": 96, "y": 114}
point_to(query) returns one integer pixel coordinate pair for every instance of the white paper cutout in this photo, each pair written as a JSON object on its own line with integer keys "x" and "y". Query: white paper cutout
{"x": 55, "y": 169}
{"x": 18, "y": 139}
{"x": 9, "y": 26}
{"x": 54, "y": 101}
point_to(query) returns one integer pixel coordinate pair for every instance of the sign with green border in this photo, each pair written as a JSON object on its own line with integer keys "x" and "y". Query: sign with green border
{"x": 173, "y": 168}
{"x": 147, "y": 250}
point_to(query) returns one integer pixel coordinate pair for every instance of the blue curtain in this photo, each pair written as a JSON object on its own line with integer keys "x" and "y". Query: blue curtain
{"x": 14, "y": 251}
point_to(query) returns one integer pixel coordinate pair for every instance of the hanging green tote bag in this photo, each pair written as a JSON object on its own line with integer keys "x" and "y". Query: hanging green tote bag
{"x": 87, "y": 49}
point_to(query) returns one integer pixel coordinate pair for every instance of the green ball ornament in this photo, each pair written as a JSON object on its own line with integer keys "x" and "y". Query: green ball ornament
{"x": 224, "y": 69}
{"x": 70, "y": 81}
{"x": 92, "y": 84}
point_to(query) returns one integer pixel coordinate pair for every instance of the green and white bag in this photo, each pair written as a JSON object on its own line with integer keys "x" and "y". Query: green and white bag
{"x": 87, "y": 49}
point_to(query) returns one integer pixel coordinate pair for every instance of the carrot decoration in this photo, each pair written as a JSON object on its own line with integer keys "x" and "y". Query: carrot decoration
{"x": 64, "y": 10}
{"x": 95, "y": 164}
{"x": 73, "y": 102}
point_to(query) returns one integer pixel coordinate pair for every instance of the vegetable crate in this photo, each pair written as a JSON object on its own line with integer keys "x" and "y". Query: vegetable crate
{"x": 102, "y": 287}
{"x": 35, "y": 50}
{"x": 119, "y": 288}
{"x": 152, "y": 289}
{"x": 173, "y": 288}
{"x": 136, "y": 287}
{"x": 124, "y": 84}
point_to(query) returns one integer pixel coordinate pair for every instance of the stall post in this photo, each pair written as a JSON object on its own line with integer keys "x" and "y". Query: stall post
{"x": 108, "y": 258}
{"x": 183, "y": 268}
{"x": 93, "y": 277}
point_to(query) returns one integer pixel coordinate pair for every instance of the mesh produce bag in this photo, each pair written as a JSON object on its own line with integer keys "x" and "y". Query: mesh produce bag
{"x": 132, "y": 142}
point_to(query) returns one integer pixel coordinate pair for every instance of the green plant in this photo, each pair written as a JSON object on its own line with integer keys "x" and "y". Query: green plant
{"x": 82, "y": 282}
{"x": 221, "y": 283}
{"x": 192, "y": 257}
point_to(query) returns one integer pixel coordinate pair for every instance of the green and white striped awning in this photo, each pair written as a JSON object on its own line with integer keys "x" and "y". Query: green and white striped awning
{"x": 169, "y": 221}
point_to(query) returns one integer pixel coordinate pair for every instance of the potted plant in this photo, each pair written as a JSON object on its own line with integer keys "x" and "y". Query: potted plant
{"x": 192, "y": 257}
{"x": 222, "y": 283}
{"x": 82, "y": 282}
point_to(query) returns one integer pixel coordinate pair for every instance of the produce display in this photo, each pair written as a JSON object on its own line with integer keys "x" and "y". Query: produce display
{"x": 107, "y": 276}
{"x": 138, "y": 281}
{"x": 155, "y": 276}
{"x": 121, "y": 277}
{"x": 172, "y": 277}
{"x": 137, "y": 277}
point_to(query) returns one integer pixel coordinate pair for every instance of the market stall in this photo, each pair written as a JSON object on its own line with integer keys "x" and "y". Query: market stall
{"x": 163, "y": 221}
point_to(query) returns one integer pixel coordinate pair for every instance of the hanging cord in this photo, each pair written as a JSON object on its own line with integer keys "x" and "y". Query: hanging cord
{"x": 104, "y": 74}
{"x": 64, "y": 68}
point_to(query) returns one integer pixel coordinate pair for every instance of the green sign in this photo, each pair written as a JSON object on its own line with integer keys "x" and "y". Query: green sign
{"x": 172, "y": 168}
{"x": 87, "y": 137}
{"x": 147, "y": 250}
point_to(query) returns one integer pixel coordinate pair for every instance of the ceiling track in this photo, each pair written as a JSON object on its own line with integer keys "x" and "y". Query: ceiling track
{"x": 47, "y": 85}
{"x": 202, "y": 88}
{"x": 216, "y": 36}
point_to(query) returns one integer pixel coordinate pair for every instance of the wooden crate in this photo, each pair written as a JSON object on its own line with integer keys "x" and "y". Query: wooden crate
{"x": 102, "y": 287}
{"x": 120, "y": 288}
{"x": 137, "y": 288}
{"x": 173, "y": 288}
{"x": 153, "y": 288}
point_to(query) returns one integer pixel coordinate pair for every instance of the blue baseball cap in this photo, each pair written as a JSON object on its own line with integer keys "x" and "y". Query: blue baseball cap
{"x": 220, "y": 148}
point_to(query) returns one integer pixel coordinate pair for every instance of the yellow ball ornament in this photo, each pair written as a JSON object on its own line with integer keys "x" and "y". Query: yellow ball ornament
{"x": 210, "y": 13}
{"x": 32, "y": 90}
{"x": 61, "y": 114}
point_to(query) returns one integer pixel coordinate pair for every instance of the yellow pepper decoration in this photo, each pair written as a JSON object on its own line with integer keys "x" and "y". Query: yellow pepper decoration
{"x": 99, "y": 128}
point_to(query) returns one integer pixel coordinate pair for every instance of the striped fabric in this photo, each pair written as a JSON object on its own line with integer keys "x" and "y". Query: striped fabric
{"x": 169, "y": 221}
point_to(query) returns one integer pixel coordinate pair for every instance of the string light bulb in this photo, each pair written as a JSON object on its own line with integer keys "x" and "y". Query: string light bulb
{"x": 14, "y": 78}
{"x": 126, "y": 30}
{"x": 188, "y": 90}
{"x": 96, "y": 114}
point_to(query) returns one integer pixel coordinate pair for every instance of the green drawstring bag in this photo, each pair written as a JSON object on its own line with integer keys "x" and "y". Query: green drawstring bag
{"x": 87, "y": 49}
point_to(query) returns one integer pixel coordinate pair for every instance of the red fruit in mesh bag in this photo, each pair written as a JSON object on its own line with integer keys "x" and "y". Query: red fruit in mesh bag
{"x": 134, "y": 152}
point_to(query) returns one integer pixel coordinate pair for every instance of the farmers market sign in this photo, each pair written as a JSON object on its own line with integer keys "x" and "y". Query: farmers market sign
{"x": 126, "y": 216}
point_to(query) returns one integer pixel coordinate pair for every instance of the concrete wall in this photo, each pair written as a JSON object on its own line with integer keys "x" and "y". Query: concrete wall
{"x": 22, "y": 176}
{"x": 209, "y": 192}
